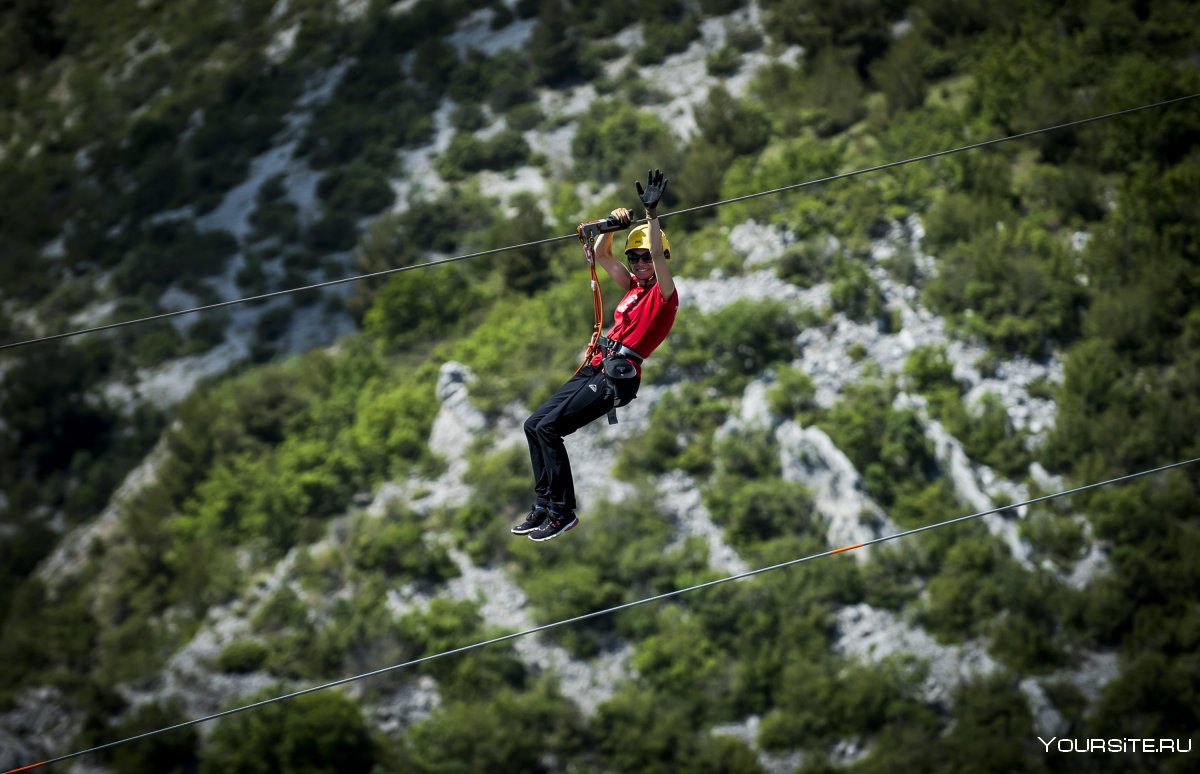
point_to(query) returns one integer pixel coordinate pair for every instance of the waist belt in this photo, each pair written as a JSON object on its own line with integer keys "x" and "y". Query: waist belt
{"x": 617, "y": 348}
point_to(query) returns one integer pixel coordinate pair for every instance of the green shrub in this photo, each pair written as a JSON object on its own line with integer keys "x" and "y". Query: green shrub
{"x": 781, "y": 163}
{"x": 991, "y": 438}
{"x": 252, "y": 278}
{"x": 172, "y": 251}
{"x": 888, "y": 447}
{"x": 206, "y": 332}
{"x": 803, "y": 263}
{"x": 1056, "y": 535}
{"x": 900, "y": 74}
{"x": 748, "y": 453}
{"x": 646, "y": 731}
{"x": 242, "y": 656}
{"x": 744, "y": 38}
{"x": 280, "y": 611}
{"x": 335, "y": 231}
{"x": 725, "y": 61}
{"x": 727, "y": 122}
{"x": 834, "y": 90}
{"x": 170, "y": 753}
{"x": 793, "y": 395}
{"x": 374, "y": 105}
{"x": 893, "y": 576}
{"x": 555, "y": 47}
{"x": 274, "y": 322}
{"x": 416, "y": 306}
{"x": 466, "y": 153}
{"x": 318, "y": 732}
{"x": 447, "y": 625}
{"x": 602, "y": 147}
{"x": 468, "y": 116}
{"x": 928, "y": 369}
{"x": 738, "y": 342}
{"x": 680, "y": 433}
{"x": 679, "y": 659}
{"x": 525, "y": 116}
{"x": 475, "y": 734}
{"x": 395, "y": 546}
{"x": 157, "y": 345}
{"x": 358, "y": 189}
{"x": 443, "y": 224}
{"x": 1013, "y": 287}
{"x": 854, "y": 292}
{"x": 756, "y": 510}
{"x": 818, "y": 705}
{"x": 276, "y": 219}
{"x": 502, "y": 485}
{"x": 516, "y": 326}
{"x": 510, "y": 82}
{"x": 623, "y": 554}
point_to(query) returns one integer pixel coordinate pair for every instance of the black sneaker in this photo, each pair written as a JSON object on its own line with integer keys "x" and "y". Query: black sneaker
{"x": 555, "y": 525}
{"x": 537, "y": 516}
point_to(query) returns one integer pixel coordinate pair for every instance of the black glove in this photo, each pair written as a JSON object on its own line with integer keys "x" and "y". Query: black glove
{"x": 623, "y": 220}
{"x": 656, "y": 184}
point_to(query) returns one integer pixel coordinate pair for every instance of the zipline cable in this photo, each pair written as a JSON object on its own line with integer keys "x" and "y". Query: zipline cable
{"x": 599, "y": 613}
{"x": 548, "y": 240}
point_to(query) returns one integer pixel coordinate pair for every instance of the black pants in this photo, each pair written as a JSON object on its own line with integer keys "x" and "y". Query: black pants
{"x": 585, "y": 397}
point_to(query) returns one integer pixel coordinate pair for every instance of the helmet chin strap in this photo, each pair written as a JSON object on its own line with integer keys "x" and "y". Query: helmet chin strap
{"x": 646, "y": 282}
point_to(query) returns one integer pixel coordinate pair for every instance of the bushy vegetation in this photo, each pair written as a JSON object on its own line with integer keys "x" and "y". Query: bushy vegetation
{"x": 728, "y": 347}
{"x": 985, "y": 429}
{"x": 321, "y": 732}
{"x": 121, "y": 121}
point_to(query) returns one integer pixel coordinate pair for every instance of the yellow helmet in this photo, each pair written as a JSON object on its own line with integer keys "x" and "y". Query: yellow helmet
{"x": 639, "y": 239}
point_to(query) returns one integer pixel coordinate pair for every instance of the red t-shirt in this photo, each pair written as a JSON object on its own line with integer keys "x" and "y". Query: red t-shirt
{"x": 642, "y": 320}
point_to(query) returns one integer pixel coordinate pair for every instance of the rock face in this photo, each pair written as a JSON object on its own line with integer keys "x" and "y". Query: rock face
{"x": 36, "y": 727}
{"x": 810, "y": 457}
{"x": 70, "y": 556}
{"x": 679, "y": 498}
{"x": 503, "y": 604}
{"x": 871, "y": 634}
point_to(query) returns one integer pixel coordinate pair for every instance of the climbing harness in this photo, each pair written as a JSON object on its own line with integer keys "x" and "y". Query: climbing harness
{"x": 616, "y": 358}
{"x": 587, "y": 233}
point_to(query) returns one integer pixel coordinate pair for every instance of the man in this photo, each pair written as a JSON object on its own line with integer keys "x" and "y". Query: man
{"x": 611, "y": 378}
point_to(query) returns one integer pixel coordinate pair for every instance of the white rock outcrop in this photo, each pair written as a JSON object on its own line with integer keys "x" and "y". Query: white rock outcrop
{"x": 809, "y": 456}
{"x": 872, "y": 635}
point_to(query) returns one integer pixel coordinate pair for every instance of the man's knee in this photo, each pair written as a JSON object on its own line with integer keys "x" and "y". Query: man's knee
{"x": 547, "y": 430}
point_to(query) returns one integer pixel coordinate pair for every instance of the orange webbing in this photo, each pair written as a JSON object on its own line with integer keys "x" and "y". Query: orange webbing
{"x": 597, "y": 310}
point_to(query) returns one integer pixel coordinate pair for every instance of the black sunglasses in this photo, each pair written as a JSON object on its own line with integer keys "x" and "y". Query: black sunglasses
{"x": 635, "y": 257}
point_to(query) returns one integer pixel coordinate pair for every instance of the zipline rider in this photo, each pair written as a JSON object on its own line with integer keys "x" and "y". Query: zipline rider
{"x": 611, "y": 377}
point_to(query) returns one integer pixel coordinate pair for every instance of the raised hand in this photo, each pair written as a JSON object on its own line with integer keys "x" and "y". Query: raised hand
{"x": 656, "y": 184}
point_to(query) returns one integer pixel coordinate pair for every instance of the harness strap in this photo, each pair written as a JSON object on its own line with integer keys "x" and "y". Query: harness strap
{"x": 617, "y": 348}
{"x": 597, "y": 300}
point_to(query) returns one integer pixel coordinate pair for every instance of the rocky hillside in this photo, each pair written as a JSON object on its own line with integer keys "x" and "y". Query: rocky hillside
{"x": 230, "y": 505}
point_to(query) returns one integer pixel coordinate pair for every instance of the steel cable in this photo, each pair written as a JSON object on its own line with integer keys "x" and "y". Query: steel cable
{"x": 599, "y": 613}
{"x": 548, "y": 240}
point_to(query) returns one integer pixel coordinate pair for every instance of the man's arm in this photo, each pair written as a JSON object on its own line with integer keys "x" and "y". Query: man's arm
{"x": 662, "y": 272}
{"x": 605, "y": 257}
{"x": 656, "y": 186}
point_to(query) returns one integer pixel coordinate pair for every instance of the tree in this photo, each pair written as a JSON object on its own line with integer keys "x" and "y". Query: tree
{"x": 316, "y": 733}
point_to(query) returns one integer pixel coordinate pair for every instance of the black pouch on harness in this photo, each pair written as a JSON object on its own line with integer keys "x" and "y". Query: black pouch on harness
{"x": 622, "y": 376}
{"x": 619, "y": 368}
